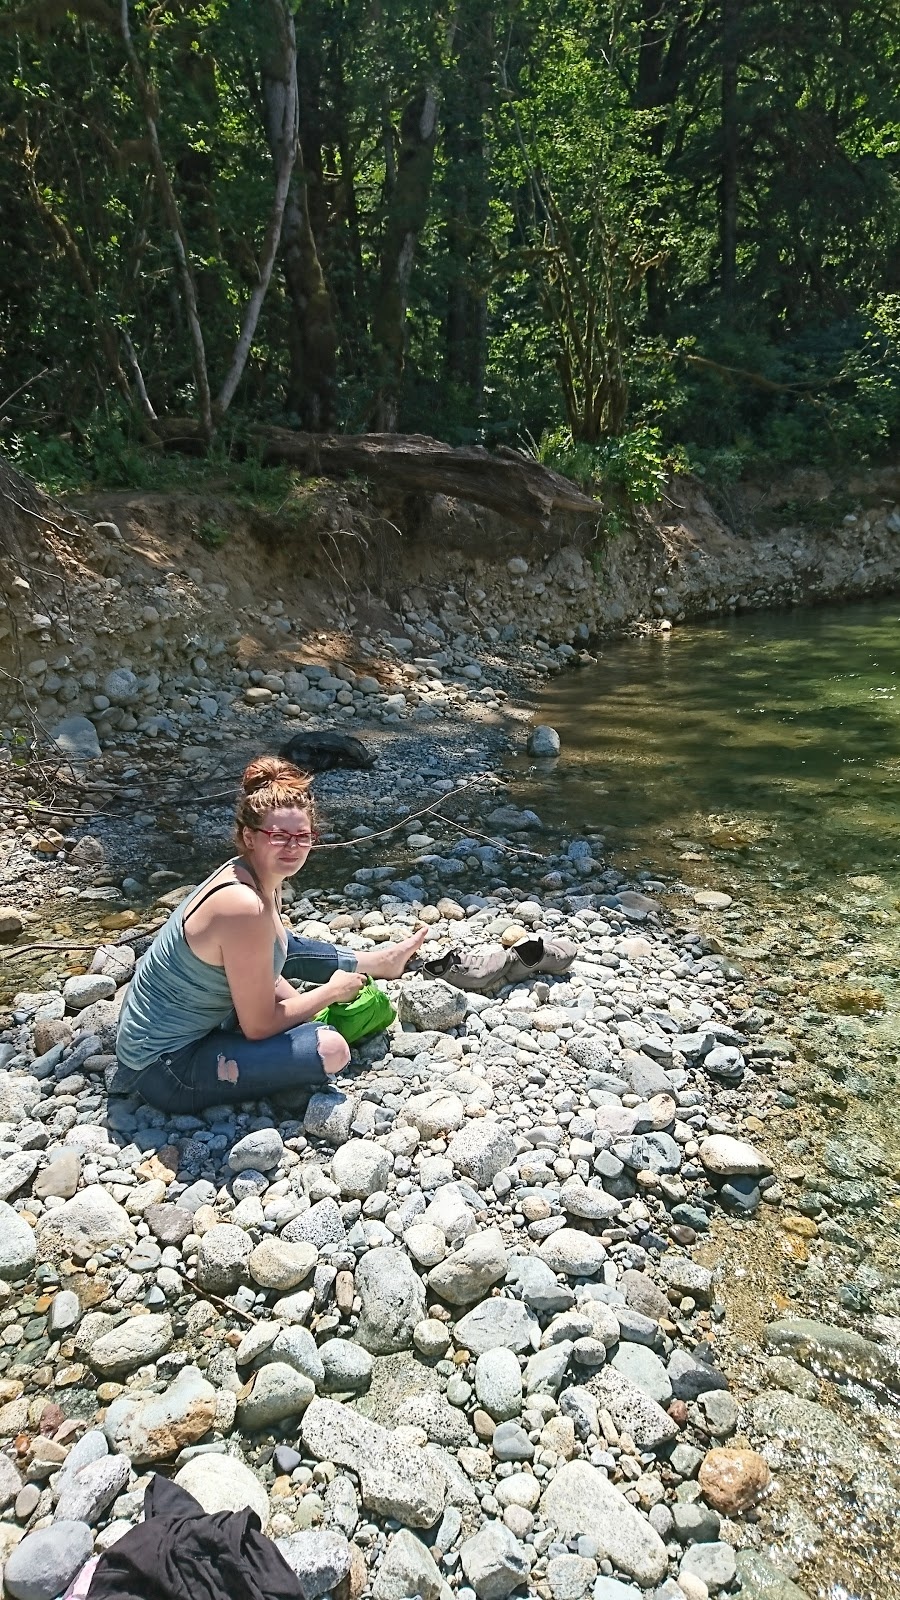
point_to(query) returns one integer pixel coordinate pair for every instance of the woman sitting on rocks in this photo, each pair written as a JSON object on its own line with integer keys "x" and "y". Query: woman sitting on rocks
{"x": 209, "y": 1016}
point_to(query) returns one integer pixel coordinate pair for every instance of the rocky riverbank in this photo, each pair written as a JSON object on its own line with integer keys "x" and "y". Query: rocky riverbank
{"x": 453, "y": 1330}
{"x": 486, "y": 1322}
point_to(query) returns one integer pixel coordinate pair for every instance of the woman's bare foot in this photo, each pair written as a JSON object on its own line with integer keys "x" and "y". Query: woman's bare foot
{"x": 392, "y": 959}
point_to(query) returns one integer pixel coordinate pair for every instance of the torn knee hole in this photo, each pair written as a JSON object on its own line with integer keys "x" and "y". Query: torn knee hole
{"x": 334, "y": 1051}
{"x": 226, "y": 1070}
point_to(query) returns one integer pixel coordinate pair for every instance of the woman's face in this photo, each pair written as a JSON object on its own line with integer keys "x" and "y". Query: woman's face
{"x": 283, "y": 841}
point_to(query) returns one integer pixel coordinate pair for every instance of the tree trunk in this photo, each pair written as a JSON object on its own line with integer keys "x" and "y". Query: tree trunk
{"x": 465, "y": 139}
{"x": 666, "y": 31}
{"x": 148, "y": 106}
{"x": 407, "y": 215}
{"x": 313, "y": 338}
{"x": 314, "y": 27}
{"x": 312, "y": 392}
{"x": 728, "y": 189}
{"x": 280, "y": 100}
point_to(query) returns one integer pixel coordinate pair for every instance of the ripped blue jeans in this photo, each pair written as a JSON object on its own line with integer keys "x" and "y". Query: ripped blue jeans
{"x": 224, "y": 1067}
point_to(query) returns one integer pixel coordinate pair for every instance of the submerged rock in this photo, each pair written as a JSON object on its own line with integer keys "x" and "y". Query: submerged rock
{"x": 837, "y": 1353}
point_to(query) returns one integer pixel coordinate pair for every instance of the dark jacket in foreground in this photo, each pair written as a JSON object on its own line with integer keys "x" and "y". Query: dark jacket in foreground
{"x": 181, "y": 1553}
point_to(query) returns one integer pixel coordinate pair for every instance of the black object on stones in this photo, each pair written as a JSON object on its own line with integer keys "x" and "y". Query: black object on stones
{"x": 322, "y": 752}
{"x": 181, "y": 1552}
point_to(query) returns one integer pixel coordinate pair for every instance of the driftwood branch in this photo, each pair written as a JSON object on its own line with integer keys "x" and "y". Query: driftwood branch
{"x": 504, "y": 481}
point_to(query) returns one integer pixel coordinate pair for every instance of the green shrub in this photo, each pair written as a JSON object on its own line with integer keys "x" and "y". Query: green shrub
{"x": 52, "y": 462}
{"x": 633, "y": 467}
{"x": 213, "y": 535}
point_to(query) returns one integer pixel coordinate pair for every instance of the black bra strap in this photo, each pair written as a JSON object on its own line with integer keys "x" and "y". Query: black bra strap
{"x": 230, "y": 883}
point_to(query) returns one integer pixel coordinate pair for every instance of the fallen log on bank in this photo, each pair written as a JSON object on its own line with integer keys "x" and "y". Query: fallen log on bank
{"x": 502, "y": 480}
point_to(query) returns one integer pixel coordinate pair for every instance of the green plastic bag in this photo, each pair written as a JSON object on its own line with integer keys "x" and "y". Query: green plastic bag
{"x": 371, "y": 1012}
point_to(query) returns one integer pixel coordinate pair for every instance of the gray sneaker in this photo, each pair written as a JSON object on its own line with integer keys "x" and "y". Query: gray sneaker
{"x": 537, "y": 956}
{"x": 483, "y": 969}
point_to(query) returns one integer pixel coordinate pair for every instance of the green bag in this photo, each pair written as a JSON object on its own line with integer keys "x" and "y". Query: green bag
{"x": 371, "y": 1012}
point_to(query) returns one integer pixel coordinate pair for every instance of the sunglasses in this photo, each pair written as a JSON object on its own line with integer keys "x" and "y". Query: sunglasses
{"x": 279, "y": 837}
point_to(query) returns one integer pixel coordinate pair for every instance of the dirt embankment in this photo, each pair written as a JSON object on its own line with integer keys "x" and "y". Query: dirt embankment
{"x": 152, "y": 613}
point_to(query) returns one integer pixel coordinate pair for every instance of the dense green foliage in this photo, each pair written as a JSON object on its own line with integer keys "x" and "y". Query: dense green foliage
{"x": 624, "y": 232}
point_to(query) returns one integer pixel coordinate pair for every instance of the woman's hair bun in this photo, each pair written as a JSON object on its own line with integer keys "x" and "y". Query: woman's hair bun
{"x": 267, "y": 783}
{"x": 271, "y": 769}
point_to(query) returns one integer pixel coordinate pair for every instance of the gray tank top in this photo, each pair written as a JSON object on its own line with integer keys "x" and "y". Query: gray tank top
{"x": 175, "y": 998}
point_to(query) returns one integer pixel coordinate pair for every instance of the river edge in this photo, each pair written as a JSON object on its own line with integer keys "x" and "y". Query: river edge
{"x": 500, "y": 733}
{"x": 754, "y": 1252}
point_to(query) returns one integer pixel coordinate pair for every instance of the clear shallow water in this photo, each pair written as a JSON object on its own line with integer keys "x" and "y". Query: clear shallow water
{"x": 787, "y": 725}
{"x": 761, "y": 755}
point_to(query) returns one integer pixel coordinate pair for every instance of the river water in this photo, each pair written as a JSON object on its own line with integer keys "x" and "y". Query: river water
{"x": 760, "y": 755}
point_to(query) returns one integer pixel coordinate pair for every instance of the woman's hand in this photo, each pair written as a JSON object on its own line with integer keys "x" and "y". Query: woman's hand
{"x": 391, "y": 960}
{"x": 343, "y": 986}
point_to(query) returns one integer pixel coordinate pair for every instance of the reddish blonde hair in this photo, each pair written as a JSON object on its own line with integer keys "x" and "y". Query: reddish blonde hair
{"x": 269, "y": 782}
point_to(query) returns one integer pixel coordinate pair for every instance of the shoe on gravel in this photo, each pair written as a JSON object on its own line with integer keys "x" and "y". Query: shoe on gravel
{"x": 538, "y": 956}
{"x": 482, "y": 970}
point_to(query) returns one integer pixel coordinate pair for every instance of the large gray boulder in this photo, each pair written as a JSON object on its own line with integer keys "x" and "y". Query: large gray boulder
{"x": 570, "y": 1251}
{"x": 498, "y": 1384}
{"x": 409, "y": 1570}
{"x": 224, "y": 1483}
{"x": 544, "y": 742}
{"x": 632, "y": 1409}
{"x": 18, "y": 1245}
{"x": 131, "y": 1345}
{"x": 498, "y": 1322}
{"x": 481, "y": 1149}
{"x": 397, "y": 1478}
{"x": 347, "y": 1367}
{"x": 581, "y": 1501}
{"x": 321, "y": 1225}
{"x": 259, "y": 1151}
{"x": 471, "y": 1271}
{"x": 76, "y": 738}
{"x": 92, "y": 1221}
{"x": 86, "y": 989}
{"x": 278, "y": 1391}
{"x": 44, "y": 1564}
{"x": 393, "y": 1301}
{"x": 277, "y": 1264}
{"x": 86, "y": 1494}
{"x": 329, "y": 1117}
{"x": 319, "y": 1559}
{"x": 359, "y": 1168}
{"x": 157, "y": 1427}
{"x": 495, "y": 1562}
{"x": 222, "y": 1262}
{"x": 430, "y": 1005}
{"x": 434, "y": 1113}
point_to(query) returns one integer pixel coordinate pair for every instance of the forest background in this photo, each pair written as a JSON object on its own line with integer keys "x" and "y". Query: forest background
{"x": 623, "y": 235}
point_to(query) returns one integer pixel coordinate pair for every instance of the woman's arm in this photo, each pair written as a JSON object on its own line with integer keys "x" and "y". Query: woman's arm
{"x": 262, "y": 1005}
